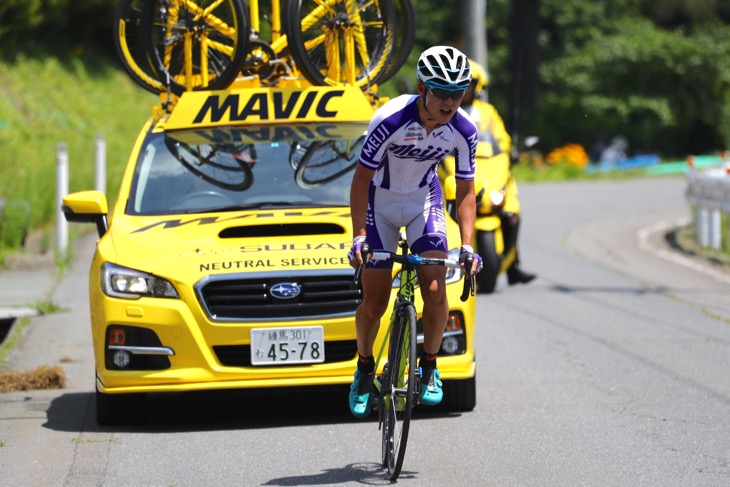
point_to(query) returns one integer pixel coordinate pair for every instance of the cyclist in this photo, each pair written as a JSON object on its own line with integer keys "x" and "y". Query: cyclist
{"x": 491, "y": 127}
{"x": 396, "y": 185}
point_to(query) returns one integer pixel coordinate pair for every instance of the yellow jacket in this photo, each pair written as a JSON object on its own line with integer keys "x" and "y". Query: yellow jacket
{"x": 493, "y": 166}
{"x": 490, "y": 126}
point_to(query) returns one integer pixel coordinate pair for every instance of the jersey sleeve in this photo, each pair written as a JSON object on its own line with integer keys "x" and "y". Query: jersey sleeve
{"x": 465, "y": 146}
{"x": 384, "y": 124}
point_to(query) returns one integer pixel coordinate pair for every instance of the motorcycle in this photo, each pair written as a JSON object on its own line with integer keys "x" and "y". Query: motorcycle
{"x": 497, "y": 202}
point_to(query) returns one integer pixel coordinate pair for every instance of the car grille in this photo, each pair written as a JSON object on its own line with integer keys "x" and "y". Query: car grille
{"x": 249, "y": 298}
{"x": 240, "y": 355}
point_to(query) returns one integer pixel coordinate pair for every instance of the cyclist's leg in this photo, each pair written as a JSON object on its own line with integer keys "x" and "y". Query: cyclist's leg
{"x": 427, "y": 237}
{"x": 382, "y": 232}
{"x": 427, "y": 232}
{"x": 376, "y": 282}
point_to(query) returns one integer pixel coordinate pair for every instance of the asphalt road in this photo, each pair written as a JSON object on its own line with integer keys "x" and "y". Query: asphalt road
{"x": 610, "y": 369}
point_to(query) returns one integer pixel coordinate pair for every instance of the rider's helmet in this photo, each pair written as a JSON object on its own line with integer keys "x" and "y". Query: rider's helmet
{"x": 444, "y": 67}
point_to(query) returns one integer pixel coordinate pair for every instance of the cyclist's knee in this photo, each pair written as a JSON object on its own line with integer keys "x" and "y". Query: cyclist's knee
{"x": 376, "y": 293}
{"x": 434, "y": 293}
{"x": 373, "y": 307}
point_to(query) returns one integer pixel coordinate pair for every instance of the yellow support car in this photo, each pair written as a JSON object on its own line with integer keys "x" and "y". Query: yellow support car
{"x": 223, "y": 263}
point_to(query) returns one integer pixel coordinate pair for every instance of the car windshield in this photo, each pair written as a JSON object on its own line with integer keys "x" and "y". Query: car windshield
{"x": 227, "y": 169}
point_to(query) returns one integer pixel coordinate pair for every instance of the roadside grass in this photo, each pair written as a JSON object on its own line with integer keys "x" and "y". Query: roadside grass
{"x": 684, "y": 239}
{"x": 48, "y": 100}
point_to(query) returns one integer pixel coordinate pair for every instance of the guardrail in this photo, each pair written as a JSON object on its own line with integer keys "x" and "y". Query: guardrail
{"x": 708, "y": 192}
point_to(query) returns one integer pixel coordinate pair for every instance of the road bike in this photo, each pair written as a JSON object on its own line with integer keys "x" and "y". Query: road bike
{"x": 184, "y": 45}
{"x": 397, "y": 389}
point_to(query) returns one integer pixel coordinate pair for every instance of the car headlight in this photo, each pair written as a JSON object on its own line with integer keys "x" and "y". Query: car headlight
{"x": 452, "y": 275}
{"x": 122, "y": 282}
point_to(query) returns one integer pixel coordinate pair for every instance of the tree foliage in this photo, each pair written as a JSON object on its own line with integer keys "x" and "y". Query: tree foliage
{"x": 657, "y": 72}
{"x": 32, "y": 25}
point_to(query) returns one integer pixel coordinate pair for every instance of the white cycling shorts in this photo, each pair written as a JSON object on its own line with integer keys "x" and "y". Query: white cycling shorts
{"x": 420, "y": 212}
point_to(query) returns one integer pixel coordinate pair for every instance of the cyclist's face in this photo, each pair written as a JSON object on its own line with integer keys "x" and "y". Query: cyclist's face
{"x": 441, "y": 110}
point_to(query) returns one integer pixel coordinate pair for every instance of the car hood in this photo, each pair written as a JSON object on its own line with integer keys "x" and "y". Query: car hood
{"x": 262, "y": 241}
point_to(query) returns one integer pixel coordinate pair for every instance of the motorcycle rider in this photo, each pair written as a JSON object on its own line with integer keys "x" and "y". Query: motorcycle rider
{"x": 491, "y": 128}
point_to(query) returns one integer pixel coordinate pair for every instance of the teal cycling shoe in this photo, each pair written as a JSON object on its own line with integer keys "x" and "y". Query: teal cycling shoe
{"x": 361, "y": 402}
{"x": 431, "y": 391}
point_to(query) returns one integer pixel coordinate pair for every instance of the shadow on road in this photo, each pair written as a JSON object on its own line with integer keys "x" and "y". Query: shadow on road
{"x": 220, "y": 410}
{"x": 362, "y": 473}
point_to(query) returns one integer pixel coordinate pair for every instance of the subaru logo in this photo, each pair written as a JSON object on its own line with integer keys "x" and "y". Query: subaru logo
{"x": 285, "y": 290}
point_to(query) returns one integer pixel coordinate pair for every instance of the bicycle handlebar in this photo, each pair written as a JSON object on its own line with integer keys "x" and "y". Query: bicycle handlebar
{"x": 416, "y": 260}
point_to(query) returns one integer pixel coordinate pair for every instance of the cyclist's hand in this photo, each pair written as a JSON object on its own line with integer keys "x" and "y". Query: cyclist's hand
{"x": 354, "y": 256}
{"x": 466, "y": 252}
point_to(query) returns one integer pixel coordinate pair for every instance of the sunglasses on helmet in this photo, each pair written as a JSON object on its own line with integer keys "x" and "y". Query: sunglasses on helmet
{"x": 442, "y": 94}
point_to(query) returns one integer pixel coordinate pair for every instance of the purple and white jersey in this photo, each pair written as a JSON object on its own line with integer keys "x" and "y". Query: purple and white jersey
{"x": 404, "y": 157}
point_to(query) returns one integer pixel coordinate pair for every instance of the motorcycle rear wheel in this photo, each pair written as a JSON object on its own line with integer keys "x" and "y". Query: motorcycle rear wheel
{"x": 487, "y": 250}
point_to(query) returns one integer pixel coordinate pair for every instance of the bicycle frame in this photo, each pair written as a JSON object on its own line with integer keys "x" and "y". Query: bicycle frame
{"x": 278, "y": 42}
{"x": 404, "y": 297}
{"x": 398, "y": 390}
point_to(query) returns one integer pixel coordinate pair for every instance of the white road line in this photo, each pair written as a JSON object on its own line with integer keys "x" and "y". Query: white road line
{"x": 645, "y": 244}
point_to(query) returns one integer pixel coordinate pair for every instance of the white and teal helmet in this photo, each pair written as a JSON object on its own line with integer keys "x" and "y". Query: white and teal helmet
{"x": 444, "y": 67}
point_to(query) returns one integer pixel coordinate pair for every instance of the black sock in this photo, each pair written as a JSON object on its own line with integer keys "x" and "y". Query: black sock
{"x": 366, "y": 365}
{"x": 427, "y": 362}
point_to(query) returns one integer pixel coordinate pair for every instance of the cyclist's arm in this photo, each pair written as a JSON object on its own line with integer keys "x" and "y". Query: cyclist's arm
{"x": 359, "y": 198}
{"x": 466, "y": 209}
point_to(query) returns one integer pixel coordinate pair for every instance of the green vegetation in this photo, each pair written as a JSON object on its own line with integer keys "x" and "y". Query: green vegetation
{"x": 44, "y": 307}
{"x": 657, "y": 73}
{"x": 9, "y": 343}
{"x": 46, "y": 101}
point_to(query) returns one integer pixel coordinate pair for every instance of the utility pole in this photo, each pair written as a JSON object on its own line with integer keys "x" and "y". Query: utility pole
{"x": 475, "y": 30}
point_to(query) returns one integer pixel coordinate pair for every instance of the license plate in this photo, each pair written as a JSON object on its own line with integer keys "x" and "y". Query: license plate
{"x": 279, "y": 346}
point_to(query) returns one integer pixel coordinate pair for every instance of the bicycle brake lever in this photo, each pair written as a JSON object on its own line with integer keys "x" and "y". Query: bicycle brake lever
{"x": 364, "y": 251}
{"x": 469, "y": 280}
{"x": 356, "y": 277}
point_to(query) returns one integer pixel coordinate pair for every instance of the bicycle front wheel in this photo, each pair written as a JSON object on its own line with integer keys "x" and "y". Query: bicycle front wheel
{"x": 196, "y": 44}
{"x": 335, "y": 42}
{"x": 399, "y": 390}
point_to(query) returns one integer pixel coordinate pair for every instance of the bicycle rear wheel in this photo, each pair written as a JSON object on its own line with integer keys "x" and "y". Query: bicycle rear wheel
{"x": 335, "y": 42}
{"x": 405, "y": 37}
{"x": 131, "y": 46}
{"x": 196, "y": 44}
{"x": 323, "y": 162}
{"x": 399, "y": 390}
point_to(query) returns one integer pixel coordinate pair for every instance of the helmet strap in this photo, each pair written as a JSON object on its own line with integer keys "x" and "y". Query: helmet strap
{"x": 425, "y": 106}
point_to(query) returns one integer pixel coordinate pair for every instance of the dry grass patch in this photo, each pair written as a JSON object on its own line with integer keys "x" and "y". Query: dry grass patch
{"x": 44, "y": 377}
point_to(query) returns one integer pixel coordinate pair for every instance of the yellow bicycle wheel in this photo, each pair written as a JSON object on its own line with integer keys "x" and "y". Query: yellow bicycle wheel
{"x": 336, "y": 42}
{"x": 196, "y": 44}
{"x": 129, "y": 41}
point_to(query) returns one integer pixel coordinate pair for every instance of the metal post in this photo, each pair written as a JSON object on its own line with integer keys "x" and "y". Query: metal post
{"x": 61, "y": 192}
{"x": 715, "y": 230}
{"x": 475, "y": 31}
{"x": 100, "y": 163}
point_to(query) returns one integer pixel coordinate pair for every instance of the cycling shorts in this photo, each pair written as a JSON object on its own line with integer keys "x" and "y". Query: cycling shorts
{"x": 421, "y": 212}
